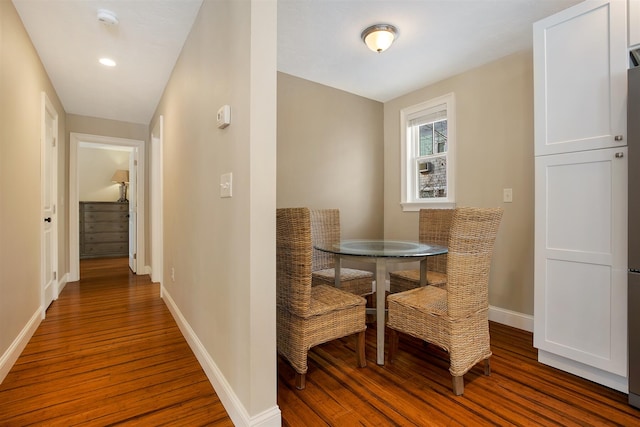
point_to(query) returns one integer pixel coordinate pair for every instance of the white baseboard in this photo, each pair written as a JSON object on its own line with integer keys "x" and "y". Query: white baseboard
{"x": 511, "y": 318}
{"x": 237, "y": 412}
{"x": 62, "y": 283}
{"x": 13, "y": 352}
{"x": 590, "y": 373}
{"x": 525, "y": 322}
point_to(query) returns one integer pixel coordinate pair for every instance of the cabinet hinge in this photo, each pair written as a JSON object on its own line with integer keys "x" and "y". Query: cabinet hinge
{"x": 135, "y": 256}
{"x": 55, "y": 275}
{"x": 54, "y": 209}
{"x": 53, "y": 141}
{"x": 135, "y": 163}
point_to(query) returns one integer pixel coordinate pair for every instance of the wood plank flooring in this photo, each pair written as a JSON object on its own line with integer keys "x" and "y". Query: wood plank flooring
{"x": 109, "y": 353}
{"x": 416, "y": 389}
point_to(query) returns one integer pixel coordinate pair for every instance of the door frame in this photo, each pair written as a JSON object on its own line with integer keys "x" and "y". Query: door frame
{"x": 74, "y": 228}
{"x": 156, "y": 212}
{"x": 47, "y": 107}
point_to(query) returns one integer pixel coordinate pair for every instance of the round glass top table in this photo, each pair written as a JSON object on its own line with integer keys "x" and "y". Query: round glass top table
{"x": 381, "y": 252}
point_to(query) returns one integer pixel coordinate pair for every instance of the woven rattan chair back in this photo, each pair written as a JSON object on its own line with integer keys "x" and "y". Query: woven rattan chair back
{"x": 434, "y": 227}
{"x": 325, "y": 230}
{"x": 471, "y": 242}
{"x": 309, "y": 315}
{"x": 293, "y": 263}
{"x": 454, "y": 317}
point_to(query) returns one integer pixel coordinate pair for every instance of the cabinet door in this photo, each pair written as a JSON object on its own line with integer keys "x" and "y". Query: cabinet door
{"x": 581, "y": 257}
{"x": 580, "y": 63}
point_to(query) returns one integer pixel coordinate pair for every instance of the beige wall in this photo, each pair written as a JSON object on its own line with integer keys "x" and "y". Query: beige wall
{"x": 222, "y": 249}
{"x": 96, "y": 166}
{"x": 330, "y": 147}
{"x": 22, "y": 79}
{"x": 494, "y": 113}
{"x": 105, "y": 127}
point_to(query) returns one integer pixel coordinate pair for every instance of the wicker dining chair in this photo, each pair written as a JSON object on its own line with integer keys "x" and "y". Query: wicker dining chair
{"x": 433, "y": 227}
{"x": 455, "y": 317}
{"x": 309, "y": 315}
{"x": 325, "y": 229}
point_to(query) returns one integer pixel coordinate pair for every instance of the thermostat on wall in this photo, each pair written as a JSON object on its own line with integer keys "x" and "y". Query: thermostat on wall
{"x": 224, "y": 116}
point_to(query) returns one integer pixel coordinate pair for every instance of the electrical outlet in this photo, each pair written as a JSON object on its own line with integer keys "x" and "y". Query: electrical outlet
{"x": 507, "y": 195}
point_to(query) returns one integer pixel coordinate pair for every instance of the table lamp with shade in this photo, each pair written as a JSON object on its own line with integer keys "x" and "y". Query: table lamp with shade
{"x": 121, "y": 176}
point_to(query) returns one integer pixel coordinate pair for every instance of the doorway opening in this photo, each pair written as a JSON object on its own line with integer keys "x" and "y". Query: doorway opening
{"x": 136, "y": 148}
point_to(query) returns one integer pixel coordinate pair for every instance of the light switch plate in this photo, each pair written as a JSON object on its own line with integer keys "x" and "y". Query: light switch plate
{"x": 223, "y": 117}
{"x": 226, "y": 187}
{"x": 507, "y": 195}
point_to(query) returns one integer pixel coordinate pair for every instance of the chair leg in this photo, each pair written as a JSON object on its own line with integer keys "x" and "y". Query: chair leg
{"x": 458, "y": 385}
{"x": 360, "y": 354}
{"x": 487, "y": 367}
{"x": 393, "y": 344}
{"x": 301, "y": 382}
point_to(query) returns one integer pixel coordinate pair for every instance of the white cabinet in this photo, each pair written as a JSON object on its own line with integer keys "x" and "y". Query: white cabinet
{"x": 580, "y": 257}
{"x": 580, "y": 280}
{"x": 580, "y": 57}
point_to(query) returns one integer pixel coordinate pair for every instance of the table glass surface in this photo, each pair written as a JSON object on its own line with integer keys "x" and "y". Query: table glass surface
{"x": 382, "y": 248}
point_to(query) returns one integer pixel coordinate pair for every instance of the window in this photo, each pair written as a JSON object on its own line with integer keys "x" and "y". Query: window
{"x": 428, "y": 148}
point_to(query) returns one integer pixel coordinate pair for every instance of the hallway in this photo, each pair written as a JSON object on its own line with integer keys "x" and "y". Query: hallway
{"x": 109, "y": 352}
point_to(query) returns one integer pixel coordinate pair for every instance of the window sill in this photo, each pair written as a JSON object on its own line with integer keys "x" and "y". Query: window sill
{"x": 416, "y": 206}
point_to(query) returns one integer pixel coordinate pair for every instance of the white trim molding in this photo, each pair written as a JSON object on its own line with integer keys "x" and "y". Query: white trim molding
{"x": 75, "y": 140}
{"x": 511, "y": 318}
{"x": 13, "y": 352}
{"x": 237, "y": 412}
{"x": 590, "y": 373}
{"x": 408, "y": 184}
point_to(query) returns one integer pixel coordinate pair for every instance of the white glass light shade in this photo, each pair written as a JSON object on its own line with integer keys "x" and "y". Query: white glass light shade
{"x": 379, "y": 37}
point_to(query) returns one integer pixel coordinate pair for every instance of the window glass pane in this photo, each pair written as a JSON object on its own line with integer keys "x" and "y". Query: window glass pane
{"x": 440, "y": 136}
{"x": 431, "y": 167}
{"x": 432, "y": 178}
{"x": 426, "y": 139}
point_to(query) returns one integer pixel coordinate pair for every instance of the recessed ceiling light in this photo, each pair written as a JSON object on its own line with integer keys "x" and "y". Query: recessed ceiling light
{"x": 108, "y": 62}
{"x": 107, "y": 17}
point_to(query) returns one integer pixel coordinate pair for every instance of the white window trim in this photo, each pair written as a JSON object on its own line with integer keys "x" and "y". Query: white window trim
{"x": 407, "y": 174}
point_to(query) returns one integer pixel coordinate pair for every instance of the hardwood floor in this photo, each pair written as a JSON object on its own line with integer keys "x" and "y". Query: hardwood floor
{"x": 416, "y": 389}
{"x": 110, "y": 353}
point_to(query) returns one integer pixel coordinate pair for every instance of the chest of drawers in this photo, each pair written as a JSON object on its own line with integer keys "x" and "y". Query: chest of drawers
{"x": 104, "y": 229}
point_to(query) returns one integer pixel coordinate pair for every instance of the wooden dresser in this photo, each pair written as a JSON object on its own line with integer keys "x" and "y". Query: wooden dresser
{"x": 104, "y": 229}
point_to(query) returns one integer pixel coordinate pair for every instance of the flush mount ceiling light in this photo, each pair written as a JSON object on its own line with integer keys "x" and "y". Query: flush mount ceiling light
{"x": 107, "y": 17}
{"x": 107, "y": 62}
{"x": 379, "y": 37}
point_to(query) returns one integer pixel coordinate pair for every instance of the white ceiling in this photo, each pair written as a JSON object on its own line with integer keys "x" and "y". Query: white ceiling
{"x": 145, "y": 44}
{"x": 318, "y": 40}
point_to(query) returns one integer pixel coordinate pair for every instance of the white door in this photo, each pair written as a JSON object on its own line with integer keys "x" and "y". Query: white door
{"x": 133, "y": 210}
{"x": 580, "y": 78}
{"x": 581, "y": 257}
{"x": 49, "y": 173}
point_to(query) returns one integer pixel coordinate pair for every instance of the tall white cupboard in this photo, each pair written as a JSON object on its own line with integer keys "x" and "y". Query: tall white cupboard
{"x": 580, "y": 86}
